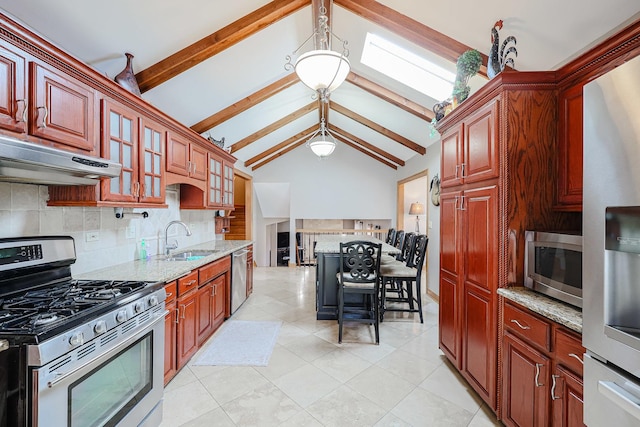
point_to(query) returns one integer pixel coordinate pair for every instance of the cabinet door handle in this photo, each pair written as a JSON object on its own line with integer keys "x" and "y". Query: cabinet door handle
{"x": 457, "y": 167}
{"x": 213, "y": 291}
{"x": 177, "y": 315}
{"x": 44, "y": 117}
{"x": 553, "y": 387}
{"x": 184, "y": 308}
{"x": 24, "y": 111}
{"x": 538, "y": 366}
{"x": 195, "y": 166}
{"x": 577, "y": 357}
{"x": 462, "y": 175}
{"x": 520, "y": 325}
{"x": 462, "y": 208}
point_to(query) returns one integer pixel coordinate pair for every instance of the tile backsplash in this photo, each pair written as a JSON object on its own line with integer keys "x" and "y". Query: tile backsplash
{"x": 101, "y": 239}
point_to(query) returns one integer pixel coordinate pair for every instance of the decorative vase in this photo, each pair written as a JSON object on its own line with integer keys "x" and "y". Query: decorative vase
{"x": 127, "y": 78}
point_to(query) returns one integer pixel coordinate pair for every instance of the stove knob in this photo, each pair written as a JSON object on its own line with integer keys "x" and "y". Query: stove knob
{"x": 139, "y": 307}
{"x": 100, "y": 327}
{"x": 153, "y": 300}
{"x": 76, "y": 339}
{"x": 121, "y": 316}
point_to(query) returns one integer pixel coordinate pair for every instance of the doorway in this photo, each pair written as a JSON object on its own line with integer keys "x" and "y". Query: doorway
{"x": 414, "y": 189}
{"x": 240, "y": 226}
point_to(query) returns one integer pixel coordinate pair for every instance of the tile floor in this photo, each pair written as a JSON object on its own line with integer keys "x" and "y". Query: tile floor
{"x": 312, "y": 380}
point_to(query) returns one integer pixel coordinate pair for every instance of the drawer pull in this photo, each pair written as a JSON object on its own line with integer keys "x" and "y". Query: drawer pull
{"x": 519, "y": 325}
{"x": 577, "y": 357}
{"x": 169, "y": 294}
{"x": 538, "y": 366}
{"x": 190, "y": 282}
{"x": 553, "y": 387}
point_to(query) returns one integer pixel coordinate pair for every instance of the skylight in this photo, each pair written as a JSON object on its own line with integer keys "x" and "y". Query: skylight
{"x": 407, "y": 67}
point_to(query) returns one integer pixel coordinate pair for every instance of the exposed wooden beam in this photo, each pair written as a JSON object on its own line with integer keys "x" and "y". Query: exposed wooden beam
{"x": 390, "y": 96}
{"x": 279, "y": 154}
{"x": 273, "y": 126}
{"x": 380, "y": 129}
{"x": 362, "y": 150}
{"x": 217, "y": 42}
{"x": 245, "y": 103}
{"x": 280, "y": 146}
{"x": 366, "y": 145}
{"x": 410, "y": 29}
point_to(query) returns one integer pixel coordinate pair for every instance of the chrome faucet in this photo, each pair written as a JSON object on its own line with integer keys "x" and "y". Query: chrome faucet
{"x": 167, "y": 246}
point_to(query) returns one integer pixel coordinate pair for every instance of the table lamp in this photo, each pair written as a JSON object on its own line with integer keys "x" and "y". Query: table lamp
{"x": 416, "y": 209}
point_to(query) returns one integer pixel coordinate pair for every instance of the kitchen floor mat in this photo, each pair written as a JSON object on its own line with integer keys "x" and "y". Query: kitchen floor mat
{"x": 241, "y": 343}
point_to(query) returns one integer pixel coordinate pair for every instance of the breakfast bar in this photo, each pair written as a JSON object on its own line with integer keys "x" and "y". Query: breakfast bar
{"x": 327, "y": 250}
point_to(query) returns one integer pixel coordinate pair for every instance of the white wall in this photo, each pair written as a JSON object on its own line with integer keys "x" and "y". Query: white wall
{"x": 24, "y": 212}
{"x": 430, "y": 161}
{"x": 347, "y": 184}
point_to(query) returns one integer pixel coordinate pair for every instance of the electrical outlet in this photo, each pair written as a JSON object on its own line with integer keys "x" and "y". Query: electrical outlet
{"x": 92, "y": 236}
{"x": 131, "y": 232}
{"x": 430, "y": 224}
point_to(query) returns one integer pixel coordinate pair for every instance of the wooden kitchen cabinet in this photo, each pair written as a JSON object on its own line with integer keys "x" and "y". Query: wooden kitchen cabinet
{"x": 151, "y": 159}
{"x": 497, "y": 147}
{"x": 570, "y": 118}
{"x": 170, "y": 332}
{"x": 211, "y": 307}
{"x": 220, "y": 183}
{"x": 13, "y": 101}
{"x": 186, "y": 158}
{"x": 541, "y": 371}
{"x": 525, "y": 384}
{"x": 62, "y": 109}
{"x": 470, "y": 149}
{"x": 120, "y": 144}
{"x": 187, "y": 333}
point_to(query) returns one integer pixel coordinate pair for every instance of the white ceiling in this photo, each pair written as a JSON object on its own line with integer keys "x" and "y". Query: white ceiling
{"x": 549, "y": 34}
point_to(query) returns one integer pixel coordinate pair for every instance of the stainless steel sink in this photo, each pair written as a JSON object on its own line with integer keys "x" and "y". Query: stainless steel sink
{"x": 190, "y": 255}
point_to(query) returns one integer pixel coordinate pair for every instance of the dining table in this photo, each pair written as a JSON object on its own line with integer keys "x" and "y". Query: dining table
{"x": 327, "y": 252}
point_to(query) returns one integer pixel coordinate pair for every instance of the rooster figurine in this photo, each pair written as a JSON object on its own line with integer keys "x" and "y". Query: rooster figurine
{"x": 499, "y": 59}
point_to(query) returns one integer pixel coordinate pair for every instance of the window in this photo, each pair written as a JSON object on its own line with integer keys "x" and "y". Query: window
{"x": 408, "y": 68}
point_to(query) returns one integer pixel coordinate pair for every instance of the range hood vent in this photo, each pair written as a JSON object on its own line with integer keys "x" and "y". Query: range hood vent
{"x": 26, "y": 162}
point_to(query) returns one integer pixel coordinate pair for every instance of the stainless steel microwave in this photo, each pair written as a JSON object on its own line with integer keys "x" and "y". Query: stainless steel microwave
{"x": 553, "y": 265}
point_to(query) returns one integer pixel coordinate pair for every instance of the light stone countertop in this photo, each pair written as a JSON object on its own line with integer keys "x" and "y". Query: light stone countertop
{"x": 156, "y": 269}
{"x": 557, "y": 311}
{"x": 330, "y": 243}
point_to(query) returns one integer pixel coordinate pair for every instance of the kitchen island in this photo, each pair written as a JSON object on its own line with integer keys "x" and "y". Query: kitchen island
{"x": 327, "y": 250}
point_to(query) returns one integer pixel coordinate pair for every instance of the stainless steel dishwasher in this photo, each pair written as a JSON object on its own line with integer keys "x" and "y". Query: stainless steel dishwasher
{"x": 238, "y": 278}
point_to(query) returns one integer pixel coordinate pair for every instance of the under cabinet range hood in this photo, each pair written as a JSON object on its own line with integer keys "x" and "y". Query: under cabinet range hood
{"x": 26, "y": 162}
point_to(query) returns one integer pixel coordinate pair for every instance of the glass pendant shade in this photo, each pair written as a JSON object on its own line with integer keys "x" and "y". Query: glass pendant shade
{"x": 322, "y": 69}
{"x": 322, "y": 145}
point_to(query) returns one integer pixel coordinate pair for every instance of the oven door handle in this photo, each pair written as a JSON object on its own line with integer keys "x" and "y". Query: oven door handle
{"x": 626, "y": 400}
{"x": 61, "y": 377}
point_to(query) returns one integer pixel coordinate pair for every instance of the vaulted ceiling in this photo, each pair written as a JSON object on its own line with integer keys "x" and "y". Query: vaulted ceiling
{"x": 218, "y": 66}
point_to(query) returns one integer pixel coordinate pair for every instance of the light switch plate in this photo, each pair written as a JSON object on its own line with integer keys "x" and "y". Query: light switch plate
{"x": 131, "y": 232}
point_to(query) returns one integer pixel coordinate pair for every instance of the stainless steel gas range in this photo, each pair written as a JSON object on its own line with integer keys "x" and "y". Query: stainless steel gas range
{"x": 76, "y": 352}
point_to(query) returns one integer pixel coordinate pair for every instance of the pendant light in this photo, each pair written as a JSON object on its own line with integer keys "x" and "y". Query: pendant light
{"x": 321, "y": 69}
{"x": 322, "y": 143}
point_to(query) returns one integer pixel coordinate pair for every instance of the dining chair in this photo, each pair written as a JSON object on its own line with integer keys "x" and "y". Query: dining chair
{"x": 358, "y": 275}
{"x": 398, "y": 242}
{"x": 403, "y": 279}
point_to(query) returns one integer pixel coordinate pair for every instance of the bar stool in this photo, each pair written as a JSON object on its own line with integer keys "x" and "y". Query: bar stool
{"x": 398, "y": 243}
{"x": 391, "y": 236}
{"x": 359, "y": 274}
{"x": 400, "y": 278}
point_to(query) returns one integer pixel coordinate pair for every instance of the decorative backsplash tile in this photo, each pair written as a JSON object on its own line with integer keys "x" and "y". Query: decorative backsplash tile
{"x": 24, "y": 212}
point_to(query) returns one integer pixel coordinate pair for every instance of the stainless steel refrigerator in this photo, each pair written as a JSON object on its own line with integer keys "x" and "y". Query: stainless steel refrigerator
{"x": 611, "y": 248}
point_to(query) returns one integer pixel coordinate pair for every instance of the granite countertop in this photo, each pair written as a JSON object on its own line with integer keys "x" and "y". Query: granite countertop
{"x": 557, "y": 311}
{"x": 330, "y": 243}
{"x": 156, "y": 269}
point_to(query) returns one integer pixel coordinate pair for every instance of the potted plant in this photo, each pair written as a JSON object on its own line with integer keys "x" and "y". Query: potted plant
{"x": 467, "y": 66}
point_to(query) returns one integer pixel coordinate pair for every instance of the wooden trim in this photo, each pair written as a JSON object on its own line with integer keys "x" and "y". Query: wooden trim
{"x": 215, "y": 43}
{"x": 604, "y": 57}
{"x": 382, "y": 130}
{"x": 273, "y": 126}
{"x": 280, "y": 146}
{"x": 362, "y": 150}
{"x": 390, "y": 96}
{"x": 415, "y": 176}
{"x": 368, "y": 146}
{"x": 245, "y": 103}
{"x": 433, "y": 295}
{"x": 410, "y": 29}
